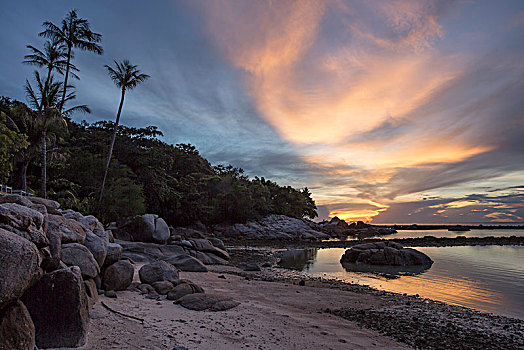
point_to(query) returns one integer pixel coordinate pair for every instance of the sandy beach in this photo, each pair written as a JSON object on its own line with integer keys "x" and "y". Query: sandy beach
{"x": 271, "y": 315}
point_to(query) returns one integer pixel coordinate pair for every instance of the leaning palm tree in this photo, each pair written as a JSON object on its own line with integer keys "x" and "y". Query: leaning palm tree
{"x": 45, "y": 100}
{"x": 53, "y": 57}
{"x": 126, "y": 76}
{"x": 75, "y": 32}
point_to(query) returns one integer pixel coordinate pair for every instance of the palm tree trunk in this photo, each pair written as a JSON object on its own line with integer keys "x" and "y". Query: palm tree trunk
{"x": 112, "y": 143}
{"x": 65, "y": 79}
{"x": 44, "y": 165}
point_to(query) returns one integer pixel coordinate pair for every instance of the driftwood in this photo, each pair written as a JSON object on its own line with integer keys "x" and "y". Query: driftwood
{"x": 122, "y": 314}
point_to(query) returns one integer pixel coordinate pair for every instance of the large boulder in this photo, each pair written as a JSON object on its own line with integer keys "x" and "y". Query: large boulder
{"x": 23, "y": 221}
{"x": 17, "y": 331}
{"x": 184, "y": 289}
{"x": 113, "y": 253}
{"x": 69, "y": 230}
{"x": 186, "y": 263}
{"x": 74, "y": 254}
{"x": 204, "y": 245}
{"x": 158, "y": 271}
{"x": 19, "y": 265}
{"x": 141, "y": 252}
{"x": 272, "y": 227}
{"x": 59, "y": 309}
{"x": 97, "y": 246}
{"x": 15, "y": 198}
{"x": 385, "y": 253}
{"x": 202, "y": 301}
{"x": 118, "y": 276}
{"x": 52, "y": 206}
{"x": 89, "y": 222}
{"x": 144, "y": 228}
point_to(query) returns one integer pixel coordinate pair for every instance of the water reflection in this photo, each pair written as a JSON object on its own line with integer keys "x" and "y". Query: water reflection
{"x": 297, "y": 259}
{"x": 488, "y": 278}
{"x": 386, "y": 271}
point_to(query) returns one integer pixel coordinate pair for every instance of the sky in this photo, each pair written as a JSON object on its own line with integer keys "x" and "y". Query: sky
{"x": 389, "y": 111}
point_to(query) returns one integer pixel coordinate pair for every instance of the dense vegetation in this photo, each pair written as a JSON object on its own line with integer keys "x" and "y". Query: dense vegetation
{"x": 146, "y": 175}
{"x": 112, "y": 170}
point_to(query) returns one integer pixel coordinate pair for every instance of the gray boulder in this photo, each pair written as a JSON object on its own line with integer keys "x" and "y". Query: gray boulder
{"x": 163, "y": 287}
{"x": 144, "y": 228}
{"x": 97, "y": 246}
{"x": 91, "y": 292}
{"x": 17, "y": 331}
{"x": 74, "y": 254}
{"x": 210, "y": 258}
{"x": 204, "y": 245}
{"x": 184, "y": 289}
{"x": 23, "y": 221}
{"x": 52, "y": 206}
{"x": 149, "y": 252}
{"x": 158, "y": 271}
{"x": 69, "y": 230}
{"x": 89, "y": 222}
{"x": 19, "y": 265}
{"x": 59, "y": 309}
{"x": 186, "y": 263}
{"x": 202, "y": 301}
{"x": 118, "y": 276}
{"x": 15, "y": 198}
{"x": 113, "y": 253}
{"x": 385, "y": 253}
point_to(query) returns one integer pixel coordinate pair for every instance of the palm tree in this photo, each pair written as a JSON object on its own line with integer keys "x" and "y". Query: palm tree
{"x": 45, "y": 100}
{"x": 75, "y": 32}
{"x": 126, "y": 76}
{"x": 53, "y": 57}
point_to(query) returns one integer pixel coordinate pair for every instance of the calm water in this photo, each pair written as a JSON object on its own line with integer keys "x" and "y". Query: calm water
{"x": 449, "y": 234}
{"x": 488, "y": 278}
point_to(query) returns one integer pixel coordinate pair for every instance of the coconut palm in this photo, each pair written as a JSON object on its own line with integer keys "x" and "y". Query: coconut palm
{"x": 53, "y": 57}
{"x": 75, "y": 32}
{"x": 126, "y": 76}
{"x": 45, "y": 101}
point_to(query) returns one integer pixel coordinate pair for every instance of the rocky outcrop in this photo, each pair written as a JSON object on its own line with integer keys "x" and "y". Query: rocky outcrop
{"x": 17, "y": 331}
{"x": 203, "y": 301}
{"x": 186, "y": 263}
{"x": 272, "y": 227}
{"x": 59, "y": 309}
{"x": 385, "y": 253}
{"x": 69, "y": 231}
{"x": 23, "y": 221}
{"x": 158, "y": 271}
{"x": 58, "y": 302}
{"x": 144, "y": 228}
{"x": 118, "y": 276}
{"x": 74, "y": 254}
{"x": 19, "y": 265}
{"x": 337, "y": 227}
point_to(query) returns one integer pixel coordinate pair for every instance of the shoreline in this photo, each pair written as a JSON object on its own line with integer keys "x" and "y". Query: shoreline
{"x": 427, "y": 241}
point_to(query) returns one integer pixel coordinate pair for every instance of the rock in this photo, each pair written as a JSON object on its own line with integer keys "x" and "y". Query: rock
{"x": 184, "y": 289}
{"x": 202, "y": 301}
{"x": 272, "y": 227}
{"x": 91, "y": 291}
{"x": 158, "y": 271}
{"x": 74, "y": 254}
{"x": 97, "y": 246}
{"x": 59, "y": 309}
{"x": 89, "y": 222}
{"x": 144, "y": 228}
{"x": 110, "y": 294}
{"x": 210, "y": 258}
{"x": 110, "y": 237}
{"x": 251, "y": 266}
{"x": 15, "y": 198}
{"x": 17, "y": 331}
{"x": 145, "y": 288}
{"x": 150, "y": 252}
{"x": 19, "y": 265}
{"x": 23, "y": 221}
{"x": 113, "y": 253}
{"x": 118, "y": 276}
{"x": 385, "y": 253}
{"x": 204, "y": 245}
{"x": 217, "y": 243}
{"x": 52, "y": 206}
{"x": 69, "y": 230}
{"x": 186, "y": 263}
{"x": 163, "y": 287}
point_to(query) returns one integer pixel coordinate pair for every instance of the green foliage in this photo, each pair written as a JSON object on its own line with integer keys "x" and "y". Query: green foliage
{"x": 10, "y": 143}
{"x": 148, "y": 175}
